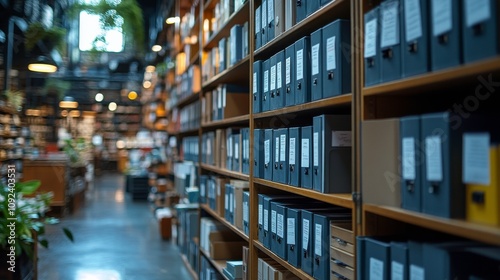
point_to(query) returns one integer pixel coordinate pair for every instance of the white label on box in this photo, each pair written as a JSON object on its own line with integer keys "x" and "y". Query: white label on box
{"x": 317, "y": 240}
{"x": 477, "y": 11}
{"x": 371, "y": 38}
{"x": 266, "y": 81}
{"x": 260, "y": 214}
{"x": 341, "y": 138}
{"x": 441, "y": 16}
{"x": 270, "y": 11}
{"x": 279, "y": 74}
{"x": 224, "y": 90}
{"x": 390, "y": 24}
{"x": 476, "y": 161}
{"x": 231, "y": 203}
{"x": 315, "y": 59}
{"x": 397, "y": 271}
{"x": 266, "y": 152}
{"x": 273, "y": 221}
{"x": 236, "y": 150}
{"x": 263, "y": 18}
{"x": 417, "y": 272}
{"x": 266, "y": 219}
{"x": 277, "y": 150}
{"x": 315, "y": 149}
{"x": 226, "y": 201}
{"x": 245, "y": 149}
{"x": 290, "y": 231}
{"x": 304, "y": 162}
{"x": 300, "y": 64}
{"x": 408, "y": 160}
{"x": 305, "y": 233}
{"x": 291, "y": 160}
{"x": 219, "y": 98}
{"x": 209, "y": 146}
{"x": 245, "y": 211}
{"x": 413, "y": 20}
{"x": 279, "y": 230}
{"x": 230, "y": 146}
{"x": 287, "y": 70}
{"x": 331, "y": 60}
{"x": 257, "y": 21}
{"x": 273, "y": 77}
{"x": 254, "y": 82}
{"x": 376, "y": 269}
{"x": 282, "y": 147}
{"x": 202, "y": 189}
{"x": 433, "y": 159}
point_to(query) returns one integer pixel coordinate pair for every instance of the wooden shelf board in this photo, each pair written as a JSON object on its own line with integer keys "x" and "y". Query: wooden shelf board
{"x": 224, "y": 222}
{"x": 244, "y": 119}
{"x": 483, "y": 233}
{"x": 341, "y": 100}
{"x": 442, "y": 78}
{"x": 189, "y": 268}
{"x": 328, "y": 13}
{"x": 238, "y": 17}
{"x": 298, "y": 272}
{"x": 237, "y": 73}
{"x": 187, "y": 100}
{"x": 225, "y": 172}
{"x": 8, "y": 109}
{"x": 188, "y": 132}
{"x": 218, "y": 264}
{"x": 343, "y": 200}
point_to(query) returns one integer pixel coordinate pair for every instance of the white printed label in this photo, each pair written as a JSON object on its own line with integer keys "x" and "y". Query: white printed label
{"x": 315, "y": 59}
{"x": 266, "y": 81}
{"x": 408, "y": 160}
{"x": 317, "y": 240}
{"x": 246, "y": 153}
{"x": 279, "y": 230}
{"x": 390, "y": 24}
{"x": 279, "y": 73}
{"x": 341, "y": 138}
{"x": 397, "y": 271}
{"x": 219, "y": 99}
{"x": 413, "y": 20}
{"x": 476, "y": 161}
{"x": 245, "y": 212}
{"x": 441, "y": 17}
{"x": 417, "y": 273}
{"x": 230, "y": 147}
{"x": 254, "y": 82}
{"x": 287, "y": 70}
{"x": 477, "y": 11}
{"x": 277, "y": 150}
{"x": 270, "y": 11}
{"x": 376, "y": 269}
{"x": 236, "y": 150}
{"x": 291, "y": 160}
{"x": 257, "y": 21}
{"x": 266, "y": 219}
{"x": 433, "y": 158}
{"x": 273, "y": 77}
{"x": 371, "y": 38}
{"x": 231, "y": 203}
{"x": 290, "y": 231}
{"x": 267, "y": 156}
{"x": 331, "y": 60}
{"x": 304, "y": 162}
{"x": 226, "y": 201}
{"x": 282, "y": 147}
{"x": 264, "y": 18}
{"x": 305, "y": 233}
{"x": 315, "y": 149}
{"x": 273, "y": 221}
{"x": 300, "y": 65}
{"x": 260, "y": 214}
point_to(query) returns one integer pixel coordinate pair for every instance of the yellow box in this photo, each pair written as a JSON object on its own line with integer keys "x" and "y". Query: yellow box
{"x": 483, "y": 202}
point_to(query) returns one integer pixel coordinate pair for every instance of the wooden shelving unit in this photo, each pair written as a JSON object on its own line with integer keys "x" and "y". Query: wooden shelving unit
{"x": 191, "y": 271}
{"x": 213, "y": 214}
{"x": 298, "y": 272}
{"x": 235, "y": 74}
{"x": 225, "y": 172}
{"x": 238, "y": 17}
{"x": 236, "y": 121}
{"x": 218, "y": 264}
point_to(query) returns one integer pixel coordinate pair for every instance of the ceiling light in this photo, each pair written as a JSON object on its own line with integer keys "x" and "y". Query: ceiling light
{"x": 99, "y": 97}
{"x": 156, "y": 48}
{"x": 132, "y": 95}
{"x": 172, "y": 20}
{"x": 150, "y": 68}
{"x": 146, "y": 84}
{"x": 43, "y": 64}
{"x": 112, "y": 106}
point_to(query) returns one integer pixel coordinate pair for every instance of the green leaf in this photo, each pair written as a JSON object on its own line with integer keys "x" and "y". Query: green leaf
{"x": 51, "y": 220}
{"x": 44, "y": 243}
{"x": 28, "y": 187}
{"x": 68, "y": 234}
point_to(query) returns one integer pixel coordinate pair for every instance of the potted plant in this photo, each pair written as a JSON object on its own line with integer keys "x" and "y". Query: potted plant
{"x": 52, "y": 37}
{"x": 22, "y": 227}
{"x": 77, "y": 151}
{"x": 14, "y": 98}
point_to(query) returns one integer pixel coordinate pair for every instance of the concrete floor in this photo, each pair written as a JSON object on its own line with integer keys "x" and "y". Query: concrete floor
{"x": 115, "y": 239}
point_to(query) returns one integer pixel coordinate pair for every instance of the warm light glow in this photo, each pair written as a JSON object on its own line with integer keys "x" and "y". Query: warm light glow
{"x": 156, "y": 48}
{"x": 146, "y": 84}
{"x": 42, "y": 68}
{"x": 132, "y": 95}
{"x": 68, "y": 104}
{"x": 172, "y": 20}
{"x": 74, "y": 113}
{"x": 99, "y": 97}
{"x": 150, "y": 68}
{"x": 120, "y": 144}
{"x": 33, "y": 112}
{"x": 206, "y": 25}
{"x": 64, "y": 113}
{"x": 112, "y": 106}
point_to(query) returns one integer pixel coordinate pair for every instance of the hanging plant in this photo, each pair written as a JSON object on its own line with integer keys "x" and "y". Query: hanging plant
{"x": 52, "y": 37}
{"x": 125, "y": 14}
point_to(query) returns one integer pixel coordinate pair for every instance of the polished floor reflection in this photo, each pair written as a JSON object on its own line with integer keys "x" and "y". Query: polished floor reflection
{"x": 115, "y": 239}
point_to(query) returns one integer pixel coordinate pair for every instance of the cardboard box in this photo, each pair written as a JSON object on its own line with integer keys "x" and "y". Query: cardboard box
{"x": 239, "y": 188}
{"x": 220, "y": 184}
{"x": 226, "y": 250}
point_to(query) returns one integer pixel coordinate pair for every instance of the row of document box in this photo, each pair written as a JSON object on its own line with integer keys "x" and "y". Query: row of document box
{"x": 190, "y": 146}
{"x": 298, "y": 230}
{"x": 190, "y": 116}
{"x": 225, "y": 101}
{"x": 313, "y": 68}
{"x": 438, "y": 163}
{"x": 274, "y": 17}
{"x": 269, "y": 269}
{"x": 315, "y": 157}
{"x": 409, "y": 37}
{"x": 189, "y": 82}
{"x": 383, "y": 258}
{"x": 216, "y": 18}
{"x": 227, "y": 148}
